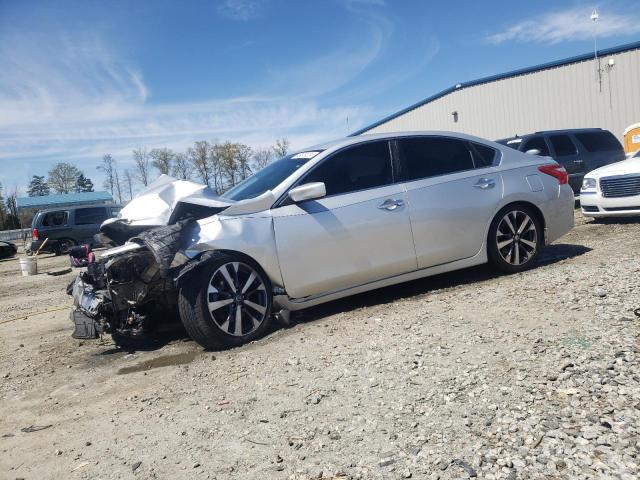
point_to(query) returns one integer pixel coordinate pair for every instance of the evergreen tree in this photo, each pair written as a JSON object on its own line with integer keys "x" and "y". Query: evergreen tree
{"x": 38, "y": 186}
{"x": 83, "y": 184}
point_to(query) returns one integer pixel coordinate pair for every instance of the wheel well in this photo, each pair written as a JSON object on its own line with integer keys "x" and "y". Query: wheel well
{"x": 209, "y": 256}
{"x": 536, "y": 210}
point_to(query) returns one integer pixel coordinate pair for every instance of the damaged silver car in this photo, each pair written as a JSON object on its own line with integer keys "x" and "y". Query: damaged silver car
{"x": 334, "y": 220}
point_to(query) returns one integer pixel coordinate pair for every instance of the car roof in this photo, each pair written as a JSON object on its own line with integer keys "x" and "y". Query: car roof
{"x": 73, "y": 207}
{"x": 543, "y": 132}
{"x": 347, "y": 141}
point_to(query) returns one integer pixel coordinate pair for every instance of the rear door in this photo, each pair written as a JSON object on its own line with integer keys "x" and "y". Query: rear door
{"x": 54, "y": 225}
{"x": 453, "y": 188}
{"x": 565, "y": 152}
{"x": 87, "y": 222}
{"x": 358, "y": 233}
{"x": 600, "y": 148}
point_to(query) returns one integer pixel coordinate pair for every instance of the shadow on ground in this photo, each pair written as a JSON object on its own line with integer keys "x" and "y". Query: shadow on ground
{"x": 550, "y": 255}
{"x": 174, "y": 332}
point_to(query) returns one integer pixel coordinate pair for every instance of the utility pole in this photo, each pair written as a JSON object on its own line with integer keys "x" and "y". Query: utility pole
{"x": 594, "y": 18}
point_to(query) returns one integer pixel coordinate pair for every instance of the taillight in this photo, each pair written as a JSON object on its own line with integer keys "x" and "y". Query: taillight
{"x": 556, "y": 171}
{"x": 34, "y": 234}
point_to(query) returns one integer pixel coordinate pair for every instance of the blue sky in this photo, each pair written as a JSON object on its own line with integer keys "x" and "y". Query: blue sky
{"x": 81, "y": 79}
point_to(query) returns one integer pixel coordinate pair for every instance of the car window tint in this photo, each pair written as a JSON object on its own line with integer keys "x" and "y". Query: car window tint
{"x": 536, "y": 143}
{"x": 356, "y": 168}
{"x": 603, "y": 141}
{"x": 89, "y": 216}
{"x": 432, "y": 156}
{"x": 563, "y": 145}
{"x": 483, "y": 156}
{"x": 55, "y": 219}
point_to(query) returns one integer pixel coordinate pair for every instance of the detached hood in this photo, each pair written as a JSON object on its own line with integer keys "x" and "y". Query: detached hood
{"x": 625, "y": 167}
{"x": 156, "y": 204}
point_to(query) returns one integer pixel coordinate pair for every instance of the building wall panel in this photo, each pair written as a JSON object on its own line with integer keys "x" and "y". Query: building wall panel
{"x": 566, "y": 96}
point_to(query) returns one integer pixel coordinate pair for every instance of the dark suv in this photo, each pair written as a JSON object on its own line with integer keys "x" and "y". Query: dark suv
{"x": 579, "y": 150}
{"x": 66, "y": 227}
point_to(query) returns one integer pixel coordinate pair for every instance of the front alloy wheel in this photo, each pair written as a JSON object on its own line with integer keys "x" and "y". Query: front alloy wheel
{"x": 237, "y": 299}
{"x": 514, "y": 239}
{"x": 226, "y": 302}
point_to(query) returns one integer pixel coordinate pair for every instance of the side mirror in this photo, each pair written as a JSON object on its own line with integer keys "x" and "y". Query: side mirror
{"x": 308, "y": 191}
{"x": 533, "y": 151}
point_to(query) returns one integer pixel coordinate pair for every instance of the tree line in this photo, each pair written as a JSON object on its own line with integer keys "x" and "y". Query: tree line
{"x": 219, "y": 165}
{"x": 62, "y": 178}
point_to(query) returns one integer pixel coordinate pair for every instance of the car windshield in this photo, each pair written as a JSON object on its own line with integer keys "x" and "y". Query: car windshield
{"x": 269, "y": 177}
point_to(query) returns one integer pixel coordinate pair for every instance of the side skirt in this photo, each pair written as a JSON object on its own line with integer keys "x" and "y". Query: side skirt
{"x": 284, "y": 302}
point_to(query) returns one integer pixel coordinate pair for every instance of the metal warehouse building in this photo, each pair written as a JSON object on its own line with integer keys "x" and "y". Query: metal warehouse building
{"x": 571, "y": 93}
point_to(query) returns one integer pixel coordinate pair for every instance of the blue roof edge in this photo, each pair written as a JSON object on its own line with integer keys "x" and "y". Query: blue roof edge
{"x": 492, "y": 78}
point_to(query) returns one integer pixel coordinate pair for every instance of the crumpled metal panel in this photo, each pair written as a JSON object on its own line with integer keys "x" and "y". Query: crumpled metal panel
{"x": 153, "y": 206}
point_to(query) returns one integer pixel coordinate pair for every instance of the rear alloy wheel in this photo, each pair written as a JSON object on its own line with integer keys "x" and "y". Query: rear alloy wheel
{"x": 226, "y": 304}
{"x": 514, "y": 239}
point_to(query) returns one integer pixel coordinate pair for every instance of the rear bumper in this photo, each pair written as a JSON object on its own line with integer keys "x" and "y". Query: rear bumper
{"x": 595, "y": 205}
{"x": 559, "y": 214}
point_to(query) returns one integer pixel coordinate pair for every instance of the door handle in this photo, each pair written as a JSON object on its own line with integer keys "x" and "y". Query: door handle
{"x": 391, "y": 204}
{"x": 577, "y": 161}
{"x": 485, "y": 183}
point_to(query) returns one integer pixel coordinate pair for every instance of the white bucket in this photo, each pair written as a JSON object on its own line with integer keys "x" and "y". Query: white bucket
{"x": 29, "y": 266}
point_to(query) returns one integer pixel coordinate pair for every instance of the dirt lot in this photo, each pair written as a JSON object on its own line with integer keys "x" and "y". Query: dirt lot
{"x": 533, "y": 375}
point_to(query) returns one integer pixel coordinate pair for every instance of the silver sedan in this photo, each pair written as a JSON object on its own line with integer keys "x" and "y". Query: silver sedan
{"x": 326, "y": 222}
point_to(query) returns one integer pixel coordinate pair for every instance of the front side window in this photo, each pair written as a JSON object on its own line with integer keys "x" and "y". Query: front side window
{"x": 90, "y": 216}
{"x": 600, "y": 141}
{"x": 536, "y": 143}
{"x": 355, "y": 168}
{"x": 55, "y": 219}
{"x": 563, "y": 145}
{"x": 432, "y": 156}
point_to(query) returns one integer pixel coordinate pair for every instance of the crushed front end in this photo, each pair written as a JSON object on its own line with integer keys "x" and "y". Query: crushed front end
{"x": 123, "y": 294}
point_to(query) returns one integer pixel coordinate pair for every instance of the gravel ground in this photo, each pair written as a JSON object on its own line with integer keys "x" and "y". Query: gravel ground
{"x": 467, "y": 374}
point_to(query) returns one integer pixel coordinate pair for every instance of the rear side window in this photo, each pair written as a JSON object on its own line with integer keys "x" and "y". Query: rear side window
{"x": 602, "y": 141}
{"x": 563, "y": 145}
{"x": 90, "y": 216}
{"x": 536, "y": 143}
{"x": 55, "y": 219}
{"x": 431, "y": 156}
{"x": 483, "y": 156}
{"x": 356, "y": 168}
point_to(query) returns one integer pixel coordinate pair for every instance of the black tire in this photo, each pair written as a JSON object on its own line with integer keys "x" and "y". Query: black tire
{"x": 64, "y": 245}
{"x": 207, "y": 327}
{"x": 516, "y": 256}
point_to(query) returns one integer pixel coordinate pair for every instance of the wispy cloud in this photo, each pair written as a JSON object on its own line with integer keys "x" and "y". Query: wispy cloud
{"x": 59, "y": 102}
{"x": 568, "y": 25}
{"x": 242, "y": 10}
{"x": 72, "y": 97}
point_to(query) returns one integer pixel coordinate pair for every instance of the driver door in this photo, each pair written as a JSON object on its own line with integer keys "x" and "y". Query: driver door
{"x": 358, "y": 233}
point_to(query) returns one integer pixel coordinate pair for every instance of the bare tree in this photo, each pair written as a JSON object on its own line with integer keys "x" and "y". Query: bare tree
{"x": 199, "y": 158}
{"x": 162, "y": 159}
{"x": 243, "y": 157}
{"x": 116, "y": 179}
{"x": 63, "y": 177}
{"x": 107, "y": 166}
{"x": 182, "y": 169}
{"x": 261, "y": 158}
{"x": 141, "y": 159}
{"x": 128, "y": 182}
{"x": 281, "y": 148}
{"x": 226, "y": 154}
